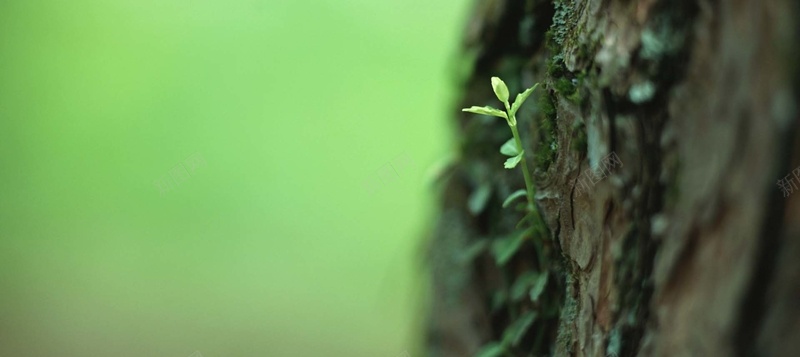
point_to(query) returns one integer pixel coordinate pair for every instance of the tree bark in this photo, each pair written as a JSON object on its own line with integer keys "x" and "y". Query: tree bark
{"x": 687, "y": 247}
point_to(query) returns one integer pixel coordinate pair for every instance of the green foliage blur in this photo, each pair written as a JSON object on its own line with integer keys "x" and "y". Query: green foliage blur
{"x": 209, "y": 178}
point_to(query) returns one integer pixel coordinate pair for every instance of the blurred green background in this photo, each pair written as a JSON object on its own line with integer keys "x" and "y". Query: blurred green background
{"x": 240, "y": 178}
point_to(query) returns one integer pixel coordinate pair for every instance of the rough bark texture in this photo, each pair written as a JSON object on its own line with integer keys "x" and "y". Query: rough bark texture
{"x": 689, "y": 248}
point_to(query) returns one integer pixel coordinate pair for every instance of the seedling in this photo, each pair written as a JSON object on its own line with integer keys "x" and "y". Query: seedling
{"x": 513, "y": 147}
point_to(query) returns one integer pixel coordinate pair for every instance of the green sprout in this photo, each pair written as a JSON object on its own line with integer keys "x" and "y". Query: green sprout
{"x": 512, "y": 147}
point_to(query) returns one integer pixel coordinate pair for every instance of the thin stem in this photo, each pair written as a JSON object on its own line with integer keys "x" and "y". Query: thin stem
{"x": 531, "y": 190}
{"x": 528, "y": 181}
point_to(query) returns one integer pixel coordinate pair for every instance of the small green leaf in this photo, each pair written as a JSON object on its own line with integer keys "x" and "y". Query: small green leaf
{"x": 527, "y": 217}
{"x": 500, "y": 89}
{"x": 492, "y": 349}
{"x": 522, "y": 285}
{"x": 521, "y": 98}
{"x": 514, "y": 333}
{"x": 513, "y": 161}
{"x": 510, "y": 148}
{"x": 513, "y": 196}
{"x": 538, "y": 288}
{"x": 486, "y": 111}
{"x": 473, "y": 250}
{"x": 478, "y": 199}
{"x": 504, "y": 249}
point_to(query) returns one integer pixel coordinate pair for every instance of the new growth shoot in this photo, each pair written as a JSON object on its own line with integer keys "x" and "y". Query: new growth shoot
{"x": 513, "y": 147}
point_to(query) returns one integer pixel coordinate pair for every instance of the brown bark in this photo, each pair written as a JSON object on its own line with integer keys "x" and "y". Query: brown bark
{"x": 689, "y": 248}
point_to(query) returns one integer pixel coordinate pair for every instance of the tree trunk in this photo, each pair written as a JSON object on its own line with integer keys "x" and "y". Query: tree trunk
{"x": 659, "y": 133}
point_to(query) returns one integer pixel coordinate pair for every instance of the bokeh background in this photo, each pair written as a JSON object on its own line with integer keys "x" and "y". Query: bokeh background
{"x": 219, "y": 178}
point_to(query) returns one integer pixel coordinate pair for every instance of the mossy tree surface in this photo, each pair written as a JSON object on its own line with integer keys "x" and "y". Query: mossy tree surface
{"x": 688, "y": 248}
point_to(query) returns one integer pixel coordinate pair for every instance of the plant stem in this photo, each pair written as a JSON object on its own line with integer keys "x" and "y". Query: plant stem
{"x": 528, "y": 181}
